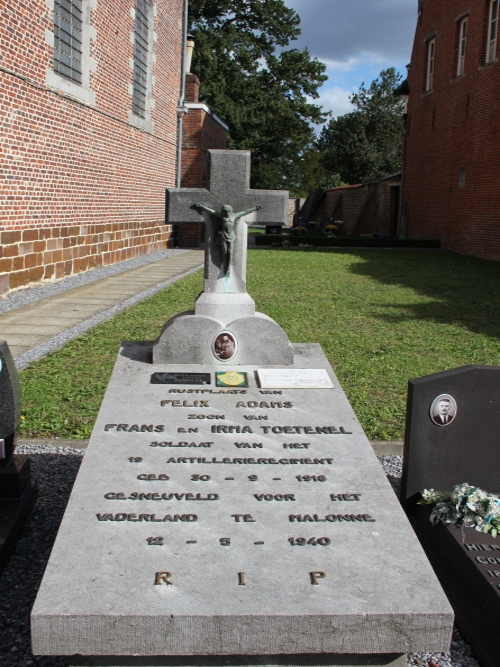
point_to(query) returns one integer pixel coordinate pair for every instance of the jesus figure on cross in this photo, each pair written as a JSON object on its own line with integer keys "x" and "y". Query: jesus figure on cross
{"x": 227, "y": 234}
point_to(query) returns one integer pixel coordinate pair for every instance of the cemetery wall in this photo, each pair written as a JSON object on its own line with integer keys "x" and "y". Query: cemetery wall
{"x": 453, "y": 129}
{"x": 82, "y": 179}
{"x": 364, "y": 208}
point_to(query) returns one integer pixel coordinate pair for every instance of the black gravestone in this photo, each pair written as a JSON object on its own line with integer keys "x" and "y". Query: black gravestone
{"x": 452, "y": 438}
{"x": 300, "y": 220}
{"x": 274, "y": 229}
{"x": 17, "y": 489}
{"x": 465, "y": 449}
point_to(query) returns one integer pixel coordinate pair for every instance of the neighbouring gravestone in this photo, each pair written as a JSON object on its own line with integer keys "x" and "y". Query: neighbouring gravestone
{"x": 452, "y": 438}
{"x": 17, "y": 489}
{"x": 274, "y": 229}
{"x": 235, "y": 514}
{"x": 300, "y": 220}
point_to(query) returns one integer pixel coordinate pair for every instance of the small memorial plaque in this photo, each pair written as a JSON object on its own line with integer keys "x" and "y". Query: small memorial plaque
{"x": 294, "y": 378}
{"x": 231, "y": 379}
{"x": 180, "y": 378}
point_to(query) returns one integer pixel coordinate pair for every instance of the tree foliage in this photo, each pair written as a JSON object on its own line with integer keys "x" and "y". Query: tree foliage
{"x": 262, "y": 91}
{"x": 368, "y": 142}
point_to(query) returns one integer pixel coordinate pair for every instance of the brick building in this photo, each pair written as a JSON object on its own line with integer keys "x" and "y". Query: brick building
{"x": 452, "y": 154}
{"x": 89, "y": 95}
{"x": 201, "y": 130}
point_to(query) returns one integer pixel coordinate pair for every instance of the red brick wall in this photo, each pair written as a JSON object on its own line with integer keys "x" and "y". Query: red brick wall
{"x": 353, "y": 201}
{"x": 80, "y": 186}
{"x": 200, "y": 132}
{"x": 364, "y": 208}
{"x": 455, "y": 125}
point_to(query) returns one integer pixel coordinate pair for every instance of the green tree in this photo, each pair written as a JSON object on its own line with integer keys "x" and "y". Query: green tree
{"x": 368, "y": 142}
{"x": 262, "y": 91}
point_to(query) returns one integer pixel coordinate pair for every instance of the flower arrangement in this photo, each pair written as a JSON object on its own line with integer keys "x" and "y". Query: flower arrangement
{"x": 331, "y": 228}
{"x": 466, "y": 506}
{"x": 298, "y": 230}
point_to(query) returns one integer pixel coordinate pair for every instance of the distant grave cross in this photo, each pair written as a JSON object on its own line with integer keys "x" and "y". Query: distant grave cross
{"x": 225, "y": 263}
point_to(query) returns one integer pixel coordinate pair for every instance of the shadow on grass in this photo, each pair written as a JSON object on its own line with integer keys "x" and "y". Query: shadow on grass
{"x": 461, "y": 291}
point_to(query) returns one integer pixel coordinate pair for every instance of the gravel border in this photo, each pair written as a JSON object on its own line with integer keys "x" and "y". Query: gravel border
{"x": 55, "y": 469}
{"x": 27, "y": 295}
{"x": 60, "y": 339}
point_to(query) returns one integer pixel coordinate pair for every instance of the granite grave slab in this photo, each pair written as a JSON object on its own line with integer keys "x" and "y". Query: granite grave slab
{"x": 250, "y": 523}
{"x": 452, "y": 438}
{"x": 460, "y": 446}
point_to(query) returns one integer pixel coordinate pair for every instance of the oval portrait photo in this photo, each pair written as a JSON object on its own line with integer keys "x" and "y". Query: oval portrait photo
{"x": 443, "y": 410}
{"x": 225, "y": 346}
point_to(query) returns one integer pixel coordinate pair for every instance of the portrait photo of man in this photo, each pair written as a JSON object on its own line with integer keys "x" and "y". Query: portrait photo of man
{"x": 443, "y": 410}
{"x": 225, "y": 346}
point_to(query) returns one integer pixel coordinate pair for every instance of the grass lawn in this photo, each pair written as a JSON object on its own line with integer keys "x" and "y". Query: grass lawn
{"x": 381, "y": 316}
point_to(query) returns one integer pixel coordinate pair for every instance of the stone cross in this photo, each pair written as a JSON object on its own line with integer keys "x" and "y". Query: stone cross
{"x": 229, "y": 185}
{"x": 224, "y": 311}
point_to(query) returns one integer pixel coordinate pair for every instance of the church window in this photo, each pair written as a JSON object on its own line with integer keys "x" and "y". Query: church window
{"x": 71, "y": 37}
{"x": 491, "y": 45}
{"x": 431, "y": 52}
{"x": 68, "y": 47}
{"x": 141, "y": 57}
{"x": 462, "y": 40}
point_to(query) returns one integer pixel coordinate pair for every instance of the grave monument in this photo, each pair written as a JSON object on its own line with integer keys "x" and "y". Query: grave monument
{"x": 452, "y": 438}
{"x": 224, "y": 306}
{"x": 229, "y": 509}
{"x": 17, "y": 488}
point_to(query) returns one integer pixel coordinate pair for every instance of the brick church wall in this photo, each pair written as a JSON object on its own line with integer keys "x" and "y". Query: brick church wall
{"x": 201, "y": 130}
{"x": 81, "y": 184}
{"x": 453, "y": 133}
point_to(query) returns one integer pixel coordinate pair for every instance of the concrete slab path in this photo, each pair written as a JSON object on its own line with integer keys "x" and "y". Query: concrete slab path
{"x": 35, "y": 329}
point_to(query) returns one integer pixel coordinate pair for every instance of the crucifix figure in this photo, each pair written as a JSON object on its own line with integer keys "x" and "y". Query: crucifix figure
{"x": 229, "y": 184}
{"x": 227, "y": 234}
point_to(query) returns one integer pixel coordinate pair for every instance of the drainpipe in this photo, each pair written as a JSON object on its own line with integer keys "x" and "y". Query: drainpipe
{"x": 181, "y": 109}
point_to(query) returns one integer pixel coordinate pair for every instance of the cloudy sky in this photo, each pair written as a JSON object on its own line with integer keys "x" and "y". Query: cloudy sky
{"x": 355, "y": 39}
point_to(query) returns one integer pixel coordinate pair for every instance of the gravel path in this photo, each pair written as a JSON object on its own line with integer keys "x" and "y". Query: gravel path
{"x": 55, "y": 468}
{"x": 24, "y": 297}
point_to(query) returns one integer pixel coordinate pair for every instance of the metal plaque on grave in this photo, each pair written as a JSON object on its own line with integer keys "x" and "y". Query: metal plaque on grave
{"x": 180, "y": 378}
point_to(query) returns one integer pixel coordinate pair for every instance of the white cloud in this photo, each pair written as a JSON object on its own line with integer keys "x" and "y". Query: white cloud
{"x": 340, "y": 65}
{"x": 336, "y": 100}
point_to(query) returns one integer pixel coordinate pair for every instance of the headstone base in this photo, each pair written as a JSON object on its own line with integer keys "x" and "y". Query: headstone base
{"x": 312, "y": 660}
{"x": 18, "y": 495}
{"x": 467, "y": 564}
{"x": 191, "y": 336}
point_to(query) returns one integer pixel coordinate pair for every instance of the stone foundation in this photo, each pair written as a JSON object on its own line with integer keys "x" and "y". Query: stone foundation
{"x": 30, "y": 256}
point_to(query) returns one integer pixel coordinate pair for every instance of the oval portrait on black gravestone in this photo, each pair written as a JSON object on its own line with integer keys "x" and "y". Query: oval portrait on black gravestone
{"x": 225, "y": 346}
{"x": 443, "y": 410}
